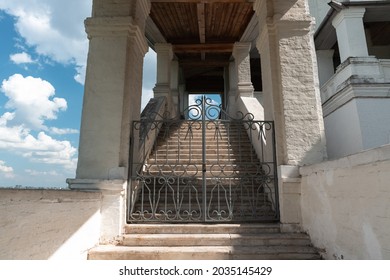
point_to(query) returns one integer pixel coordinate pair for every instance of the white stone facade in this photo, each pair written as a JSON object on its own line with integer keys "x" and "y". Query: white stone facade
{"x": 342, "y": 204}
{"x": 355, "y": 95}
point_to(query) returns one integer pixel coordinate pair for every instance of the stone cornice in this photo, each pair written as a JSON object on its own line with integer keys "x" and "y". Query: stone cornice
{"x": 353, "y": 91}
{"x": 116, "y": 27}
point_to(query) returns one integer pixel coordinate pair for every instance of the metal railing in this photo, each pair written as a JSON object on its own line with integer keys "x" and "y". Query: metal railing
{"x": 204, "y": 169}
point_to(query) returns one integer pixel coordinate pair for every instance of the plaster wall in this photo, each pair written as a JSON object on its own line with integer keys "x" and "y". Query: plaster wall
{"x": 374, "y": 116}
{"x": 325, "y": 65}
{"x": 48, "y": 224}
{"x": 342, "y": 130}
{"x": 345, "y": 205}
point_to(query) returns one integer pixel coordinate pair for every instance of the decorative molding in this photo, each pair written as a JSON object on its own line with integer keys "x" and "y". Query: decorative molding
{"x": 241, "y": 50}
{"x": 353, "y": 91}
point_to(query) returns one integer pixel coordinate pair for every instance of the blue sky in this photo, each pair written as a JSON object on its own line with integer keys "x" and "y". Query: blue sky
{"x": 43, "y": 51}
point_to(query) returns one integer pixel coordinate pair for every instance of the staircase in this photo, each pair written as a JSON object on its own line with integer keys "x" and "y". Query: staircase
{"x": 207, "y": 242}
{"x": 234, "y": 194}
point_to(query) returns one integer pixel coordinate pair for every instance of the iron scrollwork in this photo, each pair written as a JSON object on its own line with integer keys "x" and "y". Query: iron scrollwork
{"x": 207, "y": 167}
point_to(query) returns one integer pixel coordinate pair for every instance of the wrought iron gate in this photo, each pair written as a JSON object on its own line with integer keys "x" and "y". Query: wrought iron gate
{"x": 206, "y": 167}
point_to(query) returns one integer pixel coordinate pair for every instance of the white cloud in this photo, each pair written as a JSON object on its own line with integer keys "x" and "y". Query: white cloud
{"x": 150, "y": 72}
{"x": 42, "y": 148}
{"x": 63, "y": 131}
{"x": 147, "y": 94}
{"x": 7, "y": 171}
{"x": 54, "y": 27}
{"x": 192, "y": 99}
{"x": 21, "y": 58}
{"x": 149, "y": 77}
{"x": 36, "y": 173}
{"x": 31, "y": 99}
{"x": 32, "y": 104}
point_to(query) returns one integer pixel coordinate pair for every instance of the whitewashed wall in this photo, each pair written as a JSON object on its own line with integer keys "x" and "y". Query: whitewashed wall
{"x": 346, "y": 205}
{"x": 48, "y": 224}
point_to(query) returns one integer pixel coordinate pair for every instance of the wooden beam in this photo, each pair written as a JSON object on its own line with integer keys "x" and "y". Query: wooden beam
{"x": 198, "y": 48}
{"x": 203, "y": 63}
{"x": 201, "y": 26}
{"x": 201, "y": 22}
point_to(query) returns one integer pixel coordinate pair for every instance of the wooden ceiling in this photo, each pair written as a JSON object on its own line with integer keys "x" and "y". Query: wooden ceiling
{"x": 202, "y": 33}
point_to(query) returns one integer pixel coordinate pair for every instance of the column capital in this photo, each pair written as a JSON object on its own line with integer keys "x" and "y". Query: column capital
{"x": 241, "y": 50}
{"x": 350, "y": 32}
{"x": 164, "y": 48}
{"x": 115, "y": 27}
{"x": 351, "y": 12}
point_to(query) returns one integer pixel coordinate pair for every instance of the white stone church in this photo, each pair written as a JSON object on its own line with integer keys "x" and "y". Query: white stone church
{"x": 292, "y": 162}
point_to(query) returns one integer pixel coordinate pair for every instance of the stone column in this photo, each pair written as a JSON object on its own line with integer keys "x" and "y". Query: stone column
{"x": 291, "y": 96}
{"x": 232, "y": 88}
{"x": 325, "y": 65}
{"x": 164, "y": 69}
{"x": 242, "y": 69}
{"x": 175, "y": 87}
{"x": 112, "y": 100}
{"x": 290, "y": 80}
{"x": 351, "y": 37}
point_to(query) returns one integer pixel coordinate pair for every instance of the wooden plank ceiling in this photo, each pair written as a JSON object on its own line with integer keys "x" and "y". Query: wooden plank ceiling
{"x": 202, "y": 33}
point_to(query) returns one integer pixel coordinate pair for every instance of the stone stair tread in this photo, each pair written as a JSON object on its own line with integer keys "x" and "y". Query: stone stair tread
{"x": 113, "y": 252}
{"x": 220, "y": 239}
{"x": 217, "y": 235}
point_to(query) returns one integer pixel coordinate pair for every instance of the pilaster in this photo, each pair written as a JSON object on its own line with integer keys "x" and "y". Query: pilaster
{"x": 175, "y": 86}
{"x": 112, "y": 94}
{"x": 242, "y": 69}
{"x": 290, "y": 77}
{"x": 164, "y": 70}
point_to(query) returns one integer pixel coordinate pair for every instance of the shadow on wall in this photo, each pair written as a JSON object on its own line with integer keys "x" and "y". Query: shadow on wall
{"x": 42, "y": 224}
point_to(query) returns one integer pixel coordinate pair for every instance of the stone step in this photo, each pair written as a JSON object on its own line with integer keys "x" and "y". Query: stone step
{"x": 252, "y": 228}
{"x": 214, "y": 163}
{"x": 231, "y": 170}
{"x": 111, "y": 252}
{"x": 208, "y": 137}
{"x": 225, "y": 146}
{"x": 208, "y": 132}
{"x": 254, "y": 241}
{"x": 220, "y": 239}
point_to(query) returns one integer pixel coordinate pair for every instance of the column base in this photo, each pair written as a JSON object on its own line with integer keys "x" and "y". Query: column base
{"x": 96, "y": 184}
{"x": 290, "y": 198}
{"x": 112, "y": 207}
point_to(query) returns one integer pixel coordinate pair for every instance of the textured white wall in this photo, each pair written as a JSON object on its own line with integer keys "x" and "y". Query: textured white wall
{"x": 345, "y": 205}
